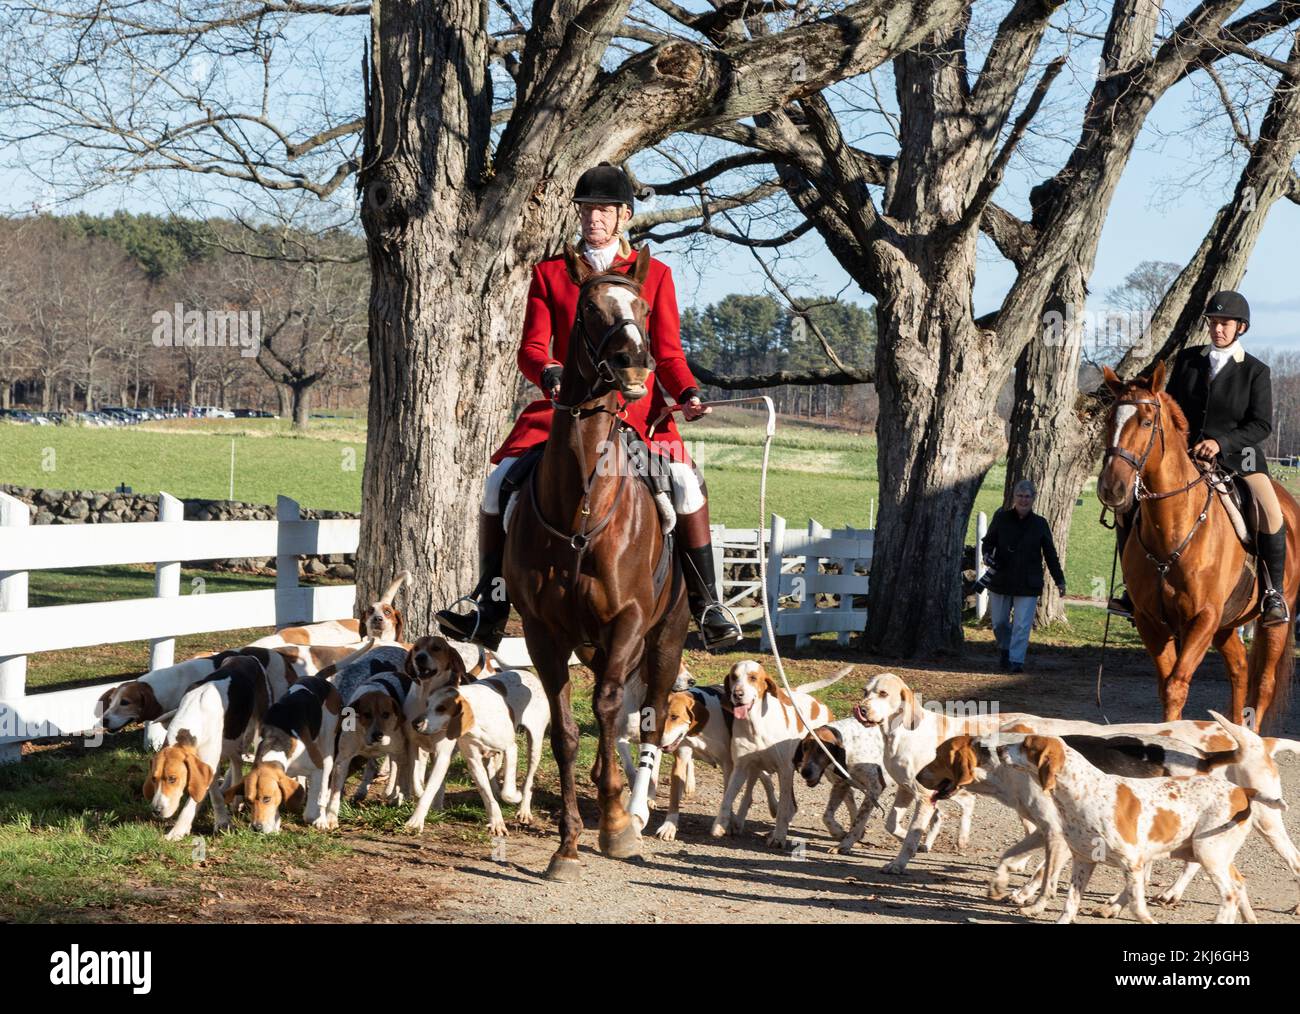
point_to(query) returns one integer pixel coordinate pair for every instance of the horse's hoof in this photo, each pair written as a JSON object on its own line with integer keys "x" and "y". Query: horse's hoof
{"x": 623, "y": 844}
{"x": 564, "y": 870}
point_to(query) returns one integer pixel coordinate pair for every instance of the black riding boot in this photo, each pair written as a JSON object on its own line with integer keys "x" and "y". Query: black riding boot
{"x": 485, "y": 622}
{"x": 1121, "y": 605}
{"x": 1272, "y": 554}
{"x": 718, "y": 627}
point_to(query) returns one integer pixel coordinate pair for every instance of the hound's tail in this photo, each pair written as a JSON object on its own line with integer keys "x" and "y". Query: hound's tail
{"x": 404, "y": 578}
{"x": 808, "y": 688}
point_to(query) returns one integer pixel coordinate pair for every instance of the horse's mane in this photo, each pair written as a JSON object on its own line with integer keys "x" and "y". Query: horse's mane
{"x": 1176, "y": 416}
{"x": 1173, "y": 412}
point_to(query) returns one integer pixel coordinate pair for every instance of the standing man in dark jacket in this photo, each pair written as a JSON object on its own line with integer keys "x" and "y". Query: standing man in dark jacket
{"x": 1014, "y": 548}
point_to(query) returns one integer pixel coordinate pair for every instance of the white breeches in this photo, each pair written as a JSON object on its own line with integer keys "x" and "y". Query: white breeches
{"x": 688, "y": 495}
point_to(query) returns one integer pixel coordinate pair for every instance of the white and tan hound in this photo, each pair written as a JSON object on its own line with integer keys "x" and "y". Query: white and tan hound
{"x": 481, "y": 719}
{"x": 765, "y": 734}
{"x": 1129, "y": 822}
{"x": 911, "y": 734}
{"x": 699, "y": 726}
{"x": 381, "y": 619}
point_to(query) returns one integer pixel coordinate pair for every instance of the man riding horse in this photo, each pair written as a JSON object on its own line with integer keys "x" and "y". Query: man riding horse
{"x": 604, "y": 200}
{"x": 1227, "y": 396}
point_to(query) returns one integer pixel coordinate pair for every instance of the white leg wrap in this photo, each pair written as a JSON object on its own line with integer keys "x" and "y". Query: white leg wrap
{"x": 647, "y": 773}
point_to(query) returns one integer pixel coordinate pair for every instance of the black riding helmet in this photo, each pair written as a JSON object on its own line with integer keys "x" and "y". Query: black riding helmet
{"x": 604, "y": 184}
{"x": 1229, "y": 304}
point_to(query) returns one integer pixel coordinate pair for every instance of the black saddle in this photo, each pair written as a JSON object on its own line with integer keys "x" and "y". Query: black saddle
{"x": 1244, "y": 500}
{"x": 648, "y": 463}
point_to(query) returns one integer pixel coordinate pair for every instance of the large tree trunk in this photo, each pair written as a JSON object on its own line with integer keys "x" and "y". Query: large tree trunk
{"x": 937, "y": 396}
{"x": 300, "y": 395}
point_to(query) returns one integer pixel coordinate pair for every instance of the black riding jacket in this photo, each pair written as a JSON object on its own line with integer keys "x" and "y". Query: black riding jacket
{"x": 1235, "y": 408}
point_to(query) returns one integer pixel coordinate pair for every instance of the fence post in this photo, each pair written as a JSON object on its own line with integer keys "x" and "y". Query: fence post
{"x": 716, "y": 539}
{"x": 849, "y": 568}
{"x": 811, "y": 570}
{"x": 775, "y": 557}
{"x": 982, "y": 598}
{"x": 286, "y": 566}
{"x": 166, "y": 584}
{"x": 13, "y": 597}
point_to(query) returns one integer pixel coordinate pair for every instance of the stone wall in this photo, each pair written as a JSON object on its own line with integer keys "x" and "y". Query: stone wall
{"x": 87, "y": 507}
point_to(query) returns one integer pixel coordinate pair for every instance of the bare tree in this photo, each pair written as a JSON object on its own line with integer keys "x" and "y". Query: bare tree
{"x": 939, "y": 369}
{"x": 313, "y": 318}
{"x": 474, "y": 125}
{"x": 1055, "y": 432}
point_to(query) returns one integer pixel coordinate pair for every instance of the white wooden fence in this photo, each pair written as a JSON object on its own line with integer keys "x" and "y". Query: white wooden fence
{"x": 170, "y": 541}
{"x": 165, "y": 543}
{"x": 795, "y": 594}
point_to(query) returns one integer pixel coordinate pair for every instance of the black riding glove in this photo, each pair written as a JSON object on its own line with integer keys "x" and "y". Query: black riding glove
{"x": 551, "y": 381}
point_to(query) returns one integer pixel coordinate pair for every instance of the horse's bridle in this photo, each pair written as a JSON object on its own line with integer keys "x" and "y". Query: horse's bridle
{"x": 595, "y": 351}
{"x": 1142, "y": 492}
{"x": 1115, "y": 451}
{"x": 1140, "y": 489}
{"x": 579, "y": 541}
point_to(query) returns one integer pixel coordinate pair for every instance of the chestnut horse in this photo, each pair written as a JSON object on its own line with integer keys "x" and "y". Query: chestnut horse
{"x": 584, "y": 561}
{"x": 1188, "y": 576}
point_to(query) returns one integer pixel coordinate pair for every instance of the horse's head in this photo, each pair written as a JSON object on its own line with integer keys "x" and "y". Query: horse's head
{"x": 609, "y": 346}
{"x": 1141, "y": 420}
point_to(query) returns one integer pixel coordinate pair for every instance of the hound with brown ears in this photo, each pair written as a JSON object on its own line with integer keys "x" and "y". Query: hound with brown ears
{"x": 373, "y": 726}
{"x": 435, "y": 662}
{"x": 481, "y": 719}
{"x": 298, "y": 735}
{"x": 1161, "y": 749}
{"x": 968, "y": 763}
{"x": 859, "y": 750}
{"x": 382, "y": 619}
{"x": 768, "y": 724}
{"x": 220, "y": 718}
{"x": 911, "y": 735}
{"x": 699, "y": 725}
{"x": 154, "y": 695}
{"x": 1129, "y": 822}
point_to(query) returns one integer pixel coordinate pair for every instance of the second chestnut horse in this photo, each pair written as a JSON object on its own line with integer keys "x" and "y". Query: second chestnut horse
{"x": 1187, "y": 572}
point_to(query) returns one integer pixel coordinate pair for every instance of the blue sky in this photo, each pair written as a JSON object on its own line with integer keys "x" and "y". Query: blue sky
{"x": 1153, "y": 217}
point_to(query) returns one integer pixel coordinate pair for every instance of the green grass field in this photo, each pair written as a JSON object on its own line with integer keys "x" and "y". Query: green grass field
{"x": 815, "y": 472}
{"x": 191, "y": 458}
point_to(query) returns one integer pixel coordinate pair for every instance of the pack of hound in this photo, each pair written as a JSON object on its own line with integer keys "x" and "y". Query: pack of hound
{"x": 281, "y": 724}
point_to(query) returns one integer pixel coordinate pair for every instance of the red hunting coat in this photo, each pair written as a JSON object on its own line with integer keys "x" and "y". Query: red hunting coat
{"x": 552, "y": 306}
